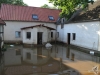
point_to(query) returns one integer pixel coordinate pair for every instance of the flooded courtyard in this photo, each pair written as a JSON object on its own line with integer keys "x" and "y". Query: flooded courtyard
{"x": 58, "y": 60}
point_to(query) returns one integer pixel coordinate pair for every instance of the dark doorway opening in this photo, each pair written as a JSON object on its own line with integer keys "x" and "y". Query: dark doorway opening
{"x": 68, "y": 40}
{"x": 39, "y": 38}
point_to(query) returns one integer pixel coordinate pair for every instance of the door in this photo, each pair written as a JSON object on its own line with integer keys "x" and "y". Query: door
{"x": 39, "y": 38}
{"x": 68, "y": 38}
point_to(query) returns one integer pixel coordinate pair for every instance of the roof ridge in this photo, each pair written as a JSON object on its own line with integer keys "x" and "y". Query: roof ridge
{"x": 28, "y": 6}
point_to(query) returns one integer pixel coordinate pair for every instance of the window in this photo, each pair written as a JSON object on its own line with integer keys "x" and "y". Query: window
{"x": 51, "y": 17}
{"x": 17, "y": 34}
{"x": 74, "y": 36}
{"x": 28, "y": 35}
{"x": 52, "y": 34}
{"x": 34, "y": 16}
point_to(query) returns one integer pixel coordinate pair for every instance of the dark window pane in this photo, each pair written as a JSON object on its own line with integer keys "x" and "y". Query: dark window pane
{"x": 52, "y": 34}
{"x": 74, "y": 36}
{"x": 28, "y": 35}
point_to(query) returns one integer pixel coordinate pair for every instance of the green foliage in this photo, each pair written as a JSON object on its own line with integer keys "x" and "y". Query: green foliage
{"x": 47, "y": 6}
{"x": 15, "y": 2}
{"x": 68, "y": 7}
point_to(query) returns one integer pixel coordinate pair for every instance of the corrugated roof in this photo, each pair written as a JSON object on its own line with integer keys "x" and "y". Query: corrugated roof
{"x": 24, "y": 13}
{"x": 2, "y": 22}
{"x": 41, "y": 25}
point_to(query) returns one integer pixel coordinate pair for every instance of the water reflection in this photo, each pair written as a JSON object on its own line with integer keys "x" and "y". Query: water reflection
{"x": 68, "y": 52}
{"x": 58, "y": 60}
{"x": 1, "y": 64}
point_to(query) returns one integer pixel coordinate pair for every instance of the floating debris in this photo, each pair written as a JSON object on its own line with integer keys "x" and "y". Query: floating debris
{"x": 48, "y": 45}
{"x": 11, "y": 45}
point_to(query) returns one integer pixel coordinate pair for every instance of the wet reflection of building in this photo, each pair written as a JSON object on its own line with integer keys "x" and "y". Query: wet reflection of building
{"x": 72, "y": 56}
{"x": 68, "y": 52}
{"x": 78, "y": 55}
{"x": 36, "y": 60}
{"x": 12, "y": 56}
{"x": 37, "y": 56}
{"x": 1, "y": 64}
{"x": 39, "y": 53}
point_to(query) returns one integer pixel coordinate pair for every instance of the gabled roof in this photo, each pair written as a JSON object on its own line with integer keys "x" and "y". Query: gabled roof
{"x": 2, "y": 22}
{"x": 41, "y": 25}
{"x": 24, "y": 13}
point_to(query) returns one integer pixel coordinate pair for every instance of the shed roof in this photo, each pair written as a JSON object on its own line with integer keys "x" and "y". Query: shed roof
{"x": 41, "y": 25}
{"x": 24, "y": 13}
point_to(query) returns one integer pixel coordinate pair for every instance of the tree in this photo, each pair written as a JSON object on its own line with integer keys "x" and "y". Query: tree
{"x": 68, "y": 7}
{"x": 15, "y": 2}
{"x": 45, "y": 6}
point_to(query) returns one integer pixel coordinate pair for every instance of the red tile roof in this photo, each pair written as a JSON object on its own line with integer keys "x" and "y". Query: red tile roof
{"x": 2, "y": 22}
{"x": 39, "y": 26}
{"x": 24, "y": 13}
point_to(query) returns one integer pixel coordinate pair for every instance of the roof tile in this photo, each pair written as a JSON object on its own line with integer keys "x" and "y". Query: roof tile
{"x": 24, "y": 13}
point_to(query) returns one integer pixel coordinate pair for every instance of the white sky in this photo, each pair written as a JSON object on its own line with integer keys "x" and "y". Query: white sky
{"x": 37, "y": 3}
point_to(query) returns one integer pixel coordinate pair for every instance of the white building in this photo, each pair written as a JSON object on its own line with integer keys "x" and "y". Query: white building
{"x": 34, "y": 25}
{"x": 83, "y": 30}
{"x": 85, "y": 34}
{"x": 24, "y": 16}
{"x": 38, "y": 34}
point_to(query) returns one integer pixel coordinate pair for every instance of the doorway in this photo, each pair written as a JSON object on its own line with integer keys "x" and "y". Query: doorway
{"x": 39, "y": 38}
{"x": 68, "y": 38}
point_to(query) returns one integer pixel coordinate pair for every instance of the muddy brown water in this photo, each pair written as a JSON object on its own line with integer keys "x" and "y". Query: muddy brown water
{"x": 58, "y": 60}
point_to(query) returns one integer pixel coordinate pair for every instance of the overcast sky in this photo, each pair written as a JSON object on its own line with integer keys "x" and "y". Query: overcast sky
{"x": 37, "y": 3}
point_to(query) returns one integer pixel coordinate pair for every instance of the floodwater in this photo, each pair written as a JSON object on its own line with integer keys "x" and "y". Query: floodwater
{"x": 58, "y": 60}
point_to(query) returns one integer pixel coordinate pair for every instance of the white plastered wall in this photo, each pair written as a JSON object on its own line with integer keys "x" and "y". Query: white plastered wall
{"x": 33, "y": 40}
{"x": 12, "y": 26}
{"x": 86, "y": 34}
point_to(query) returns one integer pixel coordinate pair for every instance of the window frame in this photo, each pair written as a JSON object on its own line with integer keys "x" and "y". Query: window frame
{"x": 19, "y": 34}
{"x": 51, "y": 34}
{"x": 27, "y": 35}
{"x": 74, "y": 36}
{"x": 50, "y": 18}
{"x": 35, "y": 16}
